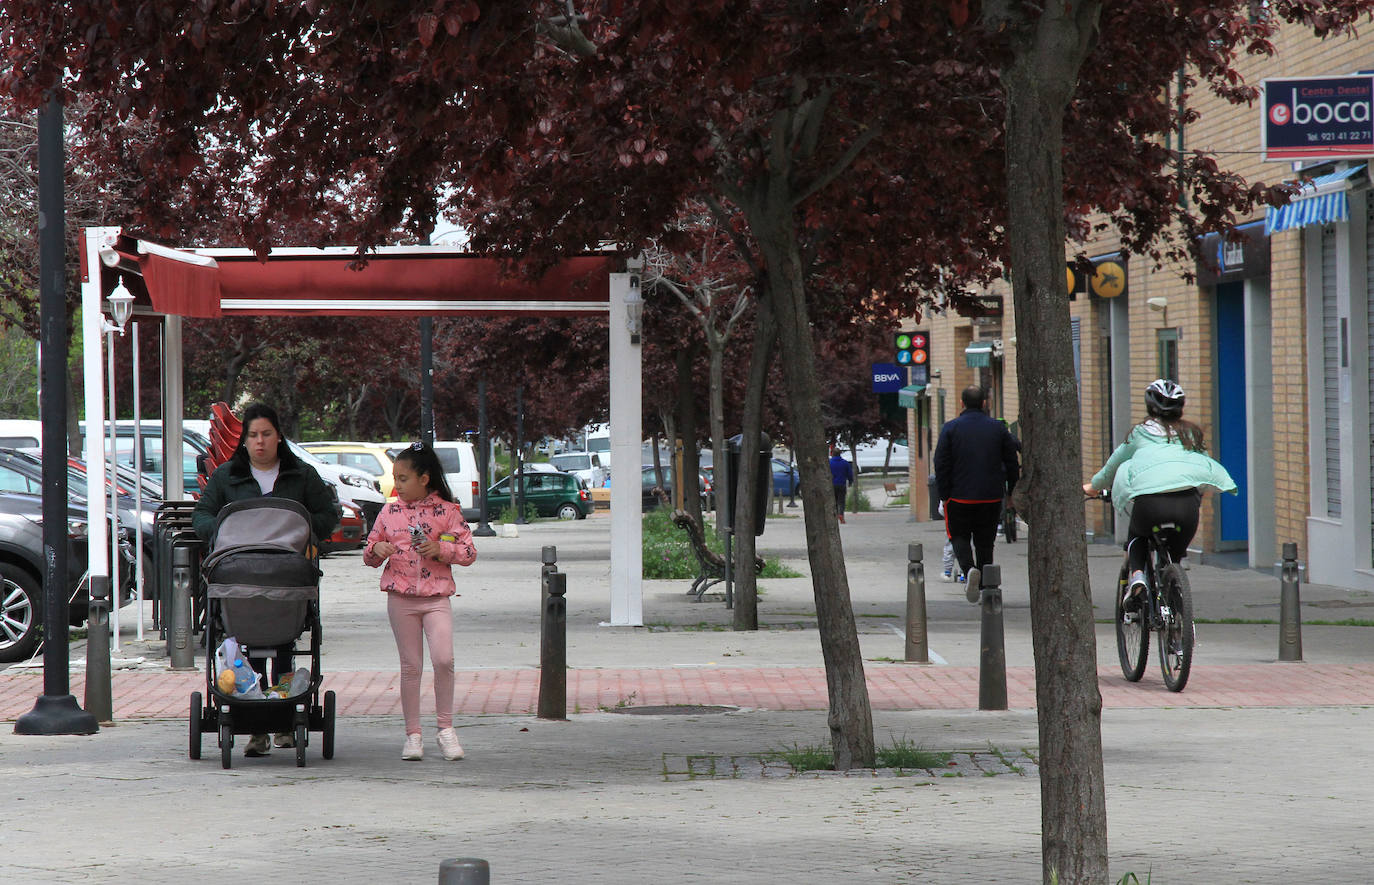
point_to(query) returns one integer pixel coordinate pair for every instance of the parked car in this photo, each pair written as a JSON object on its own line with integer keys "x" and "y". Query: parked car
{"x": 552, "y": 494}
{"x": 786, "y": 480}
{"x": 21, "y": 571}
{"x": 872, "y": 455}
{"x": 193, "y": 444}
{"x": 370, "y": 458}
{"x": 20, "y": 433}
{"x": 23, "y": 472}
{"x": 649, "y": 481}
{"x": 586, "y": 466}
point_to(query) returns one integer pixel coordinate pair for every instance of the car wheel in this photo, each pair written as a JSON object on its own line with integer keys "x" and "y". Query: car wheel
{"x": 568, "y": 510}
{"x": 21, "y": 610}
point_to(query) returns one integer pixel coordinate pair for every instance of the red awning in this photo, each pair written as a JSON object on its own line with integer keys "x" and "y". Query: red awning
{"x": 397, "y": 281}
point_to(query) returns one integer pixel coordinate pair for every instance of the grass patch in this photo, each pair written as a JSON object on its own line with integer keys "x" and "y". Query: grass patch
{"x": 900, "y": 754}
{"x": 668, "y": 554}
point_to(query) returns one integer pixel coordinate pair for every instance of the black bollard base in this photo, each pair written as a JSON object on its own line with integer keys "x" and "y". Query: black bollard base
{"x": 464, "y": 871}
{"x": 484, "y": 531}
{"x": 56, "y": 714}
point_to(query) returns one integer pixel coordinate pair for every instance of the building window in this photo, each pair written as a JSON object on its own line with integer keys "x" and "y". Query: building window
{"x": 1167, "y": 351}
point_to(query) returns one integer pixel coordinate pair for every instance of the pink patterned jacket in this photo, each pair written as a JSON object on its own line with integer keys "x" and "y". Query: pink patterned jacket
{"x": 407, "y": 572}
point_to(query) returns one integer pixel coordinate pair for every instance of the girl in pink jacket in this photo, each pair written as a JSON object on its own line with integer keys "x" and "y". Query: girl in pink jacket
{"x": 418, "y": 536}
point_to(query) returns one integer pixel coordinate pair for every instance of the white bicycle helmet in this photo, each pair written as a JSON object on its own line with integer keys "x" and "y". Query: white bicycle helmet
{"x": 1164, "y": 399}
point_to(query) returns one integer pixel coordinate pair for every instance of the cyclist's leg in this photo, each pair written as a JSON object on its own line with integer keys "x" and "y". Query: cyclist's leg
{"x": 1180, "y": 508}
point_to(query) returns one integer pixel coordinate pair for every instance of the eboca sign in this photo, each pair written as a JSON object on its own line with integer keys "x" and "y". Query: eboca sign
{"x": 1318, "y": 119}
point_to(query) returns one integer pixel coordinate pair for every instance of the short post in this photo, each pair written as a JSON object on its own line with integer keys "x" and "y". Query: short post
{"x": 992, "y": 661}
{"x": 179, "y": 648}
{"x": 464, "y": 871}
{"x": 553, "y": 652}
{"x": 917, "y": 646}
{"x": 1290, "y": 615}
{"x": 99, "y": 693}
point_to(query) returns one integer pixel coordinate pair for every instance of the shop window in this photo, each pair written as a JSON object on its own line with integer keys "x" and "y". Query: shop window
{"x": 1166, "y": 346}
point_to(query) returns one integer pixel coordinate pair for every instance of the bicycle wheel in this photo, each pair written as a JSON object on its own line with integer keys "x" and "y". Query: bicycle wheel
{"x": 1176, "y": 633}
{"x": 1132, "y": 636}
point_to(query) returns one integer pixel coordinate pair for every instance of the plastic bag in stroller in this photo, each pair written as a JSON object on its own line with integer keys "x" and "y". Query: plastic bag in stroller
{"x": 262, "y": 587}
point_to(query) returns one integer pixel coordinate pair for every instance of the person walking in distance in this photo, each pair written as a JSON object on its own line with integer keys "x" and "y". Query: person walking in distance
{"x": 841, "y": 477}
{"x": 418, "y": 537}
{"x": 975, "y": 466}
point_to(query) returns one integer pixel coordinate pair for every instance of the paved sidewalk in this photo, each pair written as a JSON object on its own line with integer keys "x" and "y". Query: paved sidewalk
{"x": 1195, "y": 781}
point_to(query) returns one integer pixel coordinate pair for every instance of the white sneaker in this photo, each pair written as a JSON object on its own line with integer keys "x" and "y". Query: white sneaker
{"x": 948, "y": 576}
{"x": 974, "y": 590}
{"x": 414, "y": 749}
{"x": 448, "y": 744}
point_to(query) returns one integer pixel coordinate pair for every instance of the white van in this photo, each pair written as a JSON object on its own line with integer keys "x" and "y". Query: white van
{"x": 19, "y": 433}
{"x": 598, "y": 438}
{"x": 586, "y": 466}
{"x": 459, "y": 460}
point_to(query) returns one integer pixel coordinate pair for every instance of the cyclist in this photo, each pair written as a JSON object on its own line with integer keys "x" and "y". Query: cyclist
{"x": 1157, "y": 476}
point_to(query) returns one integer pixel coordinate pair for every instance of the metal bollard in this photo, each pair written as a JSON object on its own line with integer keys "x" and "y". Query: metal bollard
{"x": 917, "y": 646}
{"x": 464, "y": 871}
{"x": 553, "y": 652}
{"x": 1290, "y": 615}
{"x": 992, "y": 661}
{"x": 179, "y": 648}
{"x": 99, "y": 694}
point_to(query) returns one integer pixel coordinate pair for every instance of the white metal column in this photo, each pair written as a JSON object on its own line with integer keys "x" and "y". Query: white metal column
{"x": 92, "y": 328}
{"x": 627, "y": 547}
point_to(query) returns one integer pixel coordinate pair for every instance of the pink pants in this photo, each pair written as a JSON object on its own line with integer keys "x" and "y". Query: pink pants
{"x": 431, "y": 617}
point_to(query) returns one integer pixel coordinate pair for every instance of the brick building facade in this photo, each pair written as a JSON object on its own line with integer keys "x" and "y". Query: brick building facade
{"x": 1272, "y": 344}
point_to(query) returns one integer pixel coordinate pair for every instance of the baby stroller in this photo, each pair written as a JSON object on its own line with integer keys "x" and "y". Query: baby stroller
{"x": 262, "y": 587}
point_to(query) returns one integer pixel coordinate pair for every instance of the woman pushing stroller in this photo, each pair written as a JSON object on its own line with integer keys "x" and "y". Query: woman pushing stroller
{"x": 418, "y": 537}
{"x": 263, "y": 465}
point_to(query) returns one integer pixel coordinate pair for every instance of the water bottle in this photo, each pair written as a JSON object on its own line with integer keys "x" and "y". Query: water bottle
{"x": 300, "y": 682}
{"x": 245, "y": 679}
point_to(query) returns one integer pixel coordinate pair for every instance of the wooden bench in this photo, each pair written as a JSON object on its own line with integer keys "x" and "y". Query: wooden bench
{"x": 890, "y": 489}
{"x": 710, "y": 564}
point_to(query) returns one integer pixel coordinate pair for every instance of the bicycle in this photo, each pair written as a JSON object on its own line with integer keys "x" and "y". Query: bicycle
{"x": 1164, "y": 607}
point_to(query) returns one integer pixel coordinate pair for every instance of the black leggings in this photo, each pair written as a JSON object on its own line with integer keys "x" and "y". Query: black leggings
{"x": 1180, "y": 508}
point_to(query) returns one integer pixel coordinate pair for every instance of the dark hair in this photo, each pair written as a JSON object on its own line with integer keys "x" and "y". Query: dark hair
{"x": 251, "y": 414}
{"x": 422, "y": 459}
{"x": 974, "y": 397}
{"x": 1188, "y": 434}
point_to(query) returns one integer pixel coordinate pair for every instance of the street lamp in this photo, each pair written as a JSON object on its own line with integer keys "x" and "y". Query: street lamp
{"x": 121, "y": 305}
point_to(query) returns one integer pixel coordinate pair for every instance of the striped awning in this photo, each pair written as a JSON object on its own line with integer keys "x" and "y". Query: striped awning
{"x": 978, "y": 355}
{"x": 1323, "y": 200}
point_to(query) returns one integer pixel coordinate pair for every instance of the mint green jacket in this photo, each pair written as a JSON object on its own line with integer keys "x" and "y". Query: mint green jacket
{"x": 1149, "y": 462}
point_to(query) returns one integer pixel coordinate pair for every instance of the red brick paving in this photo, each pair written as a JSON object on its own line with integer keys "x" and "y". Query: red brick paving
{"x": 147, "y": 694}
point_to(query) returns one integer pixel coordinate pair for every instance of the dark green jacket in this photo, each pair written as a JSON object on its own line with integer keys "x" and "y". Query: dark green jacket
{"x": 233, "y": 481}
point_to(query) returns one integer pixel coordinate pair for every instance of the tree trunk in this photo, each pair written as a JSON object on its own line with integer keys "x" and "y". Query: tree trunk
{"x": 851, "y": 718}
{"x": 1038, "y": 83}
{"x": 746, "y": 579}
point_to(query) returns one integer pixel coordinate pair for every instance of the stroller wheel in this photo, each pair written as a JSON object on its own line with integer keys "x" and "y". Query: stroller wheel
{"x": 195, "y": 725}
{"x": 327, "y": 746}
{"x": 226, "y": 745}
{"x": 300, "y": 744}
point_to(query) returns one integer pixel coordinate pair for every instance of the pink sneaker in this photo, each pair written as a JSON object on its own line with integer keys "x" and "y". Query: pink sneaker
{"x": 448, "y": 744}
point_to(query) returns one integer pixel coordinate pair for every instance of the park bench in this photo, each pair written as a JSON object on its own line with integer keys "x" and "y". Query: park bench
{"x": 710, "y": 564}
{"x": 890, "y": 489}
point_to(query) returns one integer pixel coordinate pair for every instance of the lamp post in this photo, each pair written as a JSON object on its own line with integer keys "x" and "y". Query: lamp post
{"x": 99, "y": 692}
{"x": 55, "y": 711}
